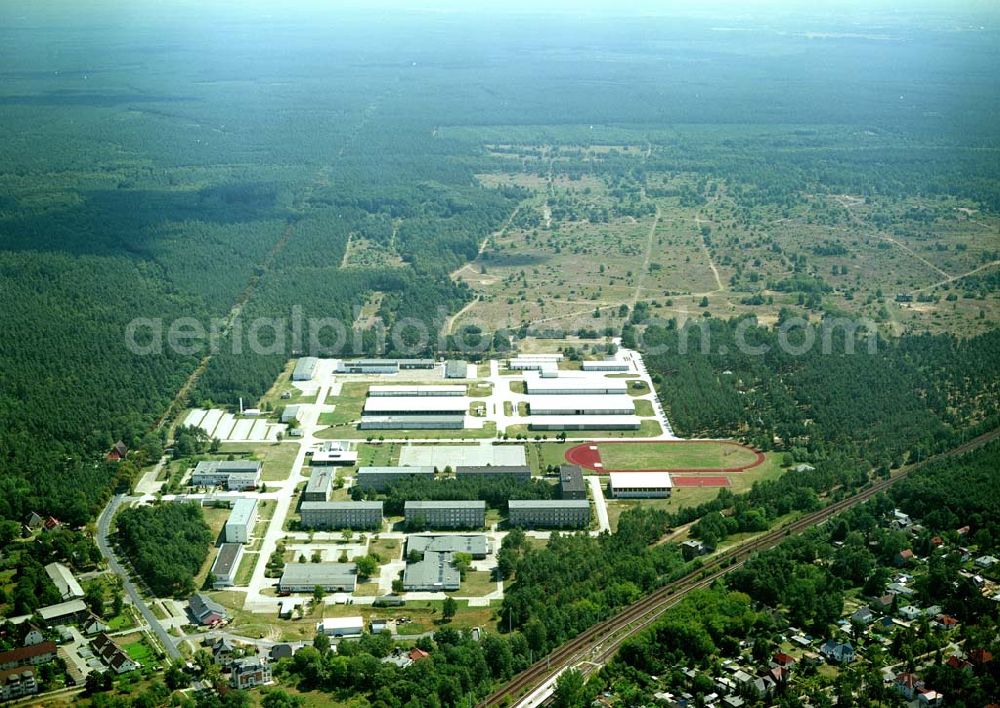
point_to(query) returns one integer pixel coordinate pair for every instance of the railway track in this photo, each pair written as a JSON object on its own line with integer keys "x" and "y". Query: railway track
{"x": 600, "y": 642}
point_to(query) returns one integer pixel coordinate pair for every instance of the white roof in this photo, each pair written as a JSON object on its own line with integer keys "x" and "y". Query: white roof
{"x": 591, "y": 402}
{"x": 415, "y": 390}
{"x": 585, "y": 382}
{"x": 63, "y": 579}
{"x": 334, "y": 623}
{"x": 540, "y": 357}
{"x": 638, "y": 480}
{"x": 335, "y": 455}
{"x": 243, "y": 509}
{"x": 595, "y": 422}
{"x": 417, "y": 404}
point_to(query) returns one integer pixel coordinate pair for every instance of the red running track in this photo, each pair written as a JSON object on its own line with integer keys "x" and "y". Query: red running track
{"x": 588, "y": 456}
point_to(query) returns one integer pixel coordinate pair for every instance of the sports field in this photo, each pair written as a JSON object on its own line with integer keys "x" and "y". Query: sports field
{"x": 680, "y": 456}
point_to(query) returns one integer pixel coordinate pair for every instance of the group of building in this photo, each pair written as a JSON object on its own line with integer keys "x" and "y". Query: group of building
{"x": 415, "y": 407}
{"x": 560, "y": 399}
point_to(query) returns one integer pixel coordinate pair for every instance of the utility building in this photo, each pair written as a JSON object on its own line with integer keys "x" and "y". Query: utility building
{"x": 571, "y": 484}
{"x": 476, "y": 545}
{"x": 332, "y": 577}
{"x": 445, "y": 514}
{"x": 341, "y": 514}
{"x": 235, "y": 476}
{"x": 435, "y": 572}
{"x": 611, "y": 365}
{"x": 455, "y": 369}
{"x": 416, "y": 405}
{"x": 318, "y": 487}
{"x": 239, "y": 526}
{"x": 226, "y": 564}
{"x": 412, "y": 422}
{"x": 521, "y": 473}
{"x": 305, "y": 368}
{"x": 380, "y": 478}
{"x": 639, "y": 485}
{"x": 549, "y": 513}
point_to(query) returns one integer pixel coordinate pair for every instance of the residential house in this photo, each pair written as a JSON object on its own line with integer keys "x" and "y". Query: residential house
{"x": 51, "y": 524}
{"x": 900, "y": 589}
{"x": 281, "y": 651}
{"x": 862, "y": 615}
{"x": 250, "y": 672}
{"x": 957, "y": 662}
{"x": 980, "y": 657}
{"x": 95, "y": 626}
{"x": 783, "y": 660}
{"x": 910, "y": 612}
{"x": 223, "y": 651}
{"x": 904, "y": 558}
{"x": 692, "y": 549}
{"x": 883, "y": 603}
{"x": 28, "y": 634}
{"x": 985, "y": 561}
{"x": 35, "y": 521}
{"x": 929, "y": 697}
{"x": 113, "y": 655}
{"x": 907, "y": 685}
{"x": 900, "y": 519}
{"x": 837, "y": 652}
{"x": 417, "y": 654}
{"x": 117, "y": 453}
{"x": 964, "y": 531}
{"x": 207, "y": 611}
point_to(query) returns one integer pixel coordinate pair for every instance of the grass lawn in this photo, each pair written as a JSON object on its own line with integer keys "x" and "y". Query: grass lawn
{"x": 387, "y": 548}
{"x": 276, "y": 458}
{"x": 366, "y": 589}
{"x": 644, "y": 408}
{"x": 680, "y": 455}
{"x": 140, "y": 651}
{"x": 247, "y": 565}
{"x": 348, "y": 405}
{"x": 641, "y": 390}
{"x": 479, "y": 389}
{"x": 476, "y": 584}
{"x": 542, "y": 455}
{"x": 216, "y": 518}
{"x": 518, "y": 387}
{"x": 378, "y": 454}
{"x": 122, "y": 622}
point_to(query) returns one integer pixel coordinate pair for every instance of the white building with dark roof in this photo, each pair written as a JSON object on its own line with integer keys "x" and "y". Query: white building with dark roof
{"x": 305, "y": 577}
{"x": 239, "y": 526}
{"x": 226, "y": 564}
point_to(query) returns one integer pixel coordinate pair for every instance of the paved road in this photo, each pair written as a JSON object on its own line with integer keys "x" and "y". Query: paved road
{"x": 103, "y": 527}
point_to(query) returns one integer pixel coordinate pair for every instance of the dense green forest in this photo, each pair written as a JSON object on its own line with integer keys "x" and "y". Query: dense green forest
{"x": 167, "y": 544}
{"x": 916, "y": 393}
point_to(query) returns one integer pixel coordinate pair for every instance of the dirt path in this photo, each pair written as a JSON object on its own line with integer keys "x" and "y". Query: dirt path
{"x": 645, "y": 261}
{"x": 916, "y": 255}
{"x": 953, "y": 278}
{"x": 711, "y": 264}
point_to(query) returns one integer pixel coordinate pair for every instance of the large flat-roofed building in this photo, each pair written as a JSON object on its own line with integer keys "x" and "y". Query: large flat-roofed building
{"x": 586, "y": 422}
{"x": 17, "y": 682}
{"x": 611, "y": 365}
{"x": 332, "y": 577}
{"x": 341, "y": 626}
{"x": 638, "y": 485}
{"x": 318, "y": 487}
{"x": 412, "y": 422}
{"x": 305, "y": 367}
{"x": 367, "y": 366}
{"x": 549, "y": 513}
{"x": 571, "y": 484}
{"x": 64, "y": 580}
{"x": 476, "y": 545}
{"x": 574, "y": 385}
{"x": 380, "y": 478}
{"x": 335, "y": 454}
{"x": 341, "y": 514}
{"x": 521, "y": 473}
{"x": 445, "y": 514}
{"x": 226, "y": 564}
{"x": 436, "y": 571}
{"x": 563, "y": 405}
{"x": 415, "y": 391}
{"x": 381, "y": 366}
{"x": 523, "y": 364}
{"x": 234, "y": 475}
{"x": 239, "y": 526}
{"x": 455, "y": 369}
{"x": 64, "y": 612}
{"x": 416, "y": 405}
